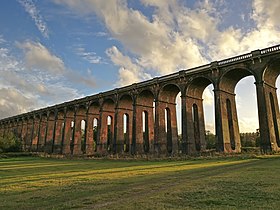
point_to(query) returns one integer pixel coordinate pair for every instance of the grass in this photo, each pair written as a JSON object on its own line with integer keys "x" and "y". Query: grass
{"x": 221, "y": 183}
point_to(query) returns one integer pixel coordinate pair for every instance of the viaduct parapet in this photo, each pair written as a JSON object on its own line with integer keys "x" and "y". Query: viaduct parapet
{"x": 141, "y": 118}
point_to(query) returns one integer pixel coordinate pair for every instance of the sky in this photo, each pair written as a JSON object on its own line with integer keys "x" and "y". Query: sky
{"x": 54, "y": 51}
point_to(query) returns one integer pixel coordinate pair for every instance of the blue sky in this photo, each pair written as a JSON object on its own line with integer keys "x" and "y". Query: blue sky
{"x": 57, "y": 50}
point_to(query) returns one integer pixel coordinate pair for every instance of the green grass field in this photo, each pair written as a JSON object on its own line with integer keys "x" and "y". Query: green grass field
{"x": 221, "y": 183}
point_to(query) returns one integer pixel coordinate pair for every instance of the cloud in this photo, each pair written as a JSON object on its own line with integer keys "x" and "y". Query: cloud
{"x": 266, "y": 13}
{"x": 38, "y": 56}
{"x": 91, "y": 57}
{"x": 129, "y": 71}
{"x": 13, "y": 102}
{"x": 176, "y": 35}
{"x": 31, "y": 84}
{"x": 34, "y": 13}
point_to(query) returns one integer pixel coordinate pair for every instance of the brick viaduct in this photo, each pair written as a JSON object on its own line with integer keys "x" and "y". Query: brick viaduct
{"x": 141, "y": 118}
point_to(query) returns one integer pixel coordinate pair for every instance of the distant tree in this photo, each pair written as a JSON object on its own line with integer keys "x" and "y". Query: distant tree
{"x": 10, "y": 143}
{"x": 210, "y": 140}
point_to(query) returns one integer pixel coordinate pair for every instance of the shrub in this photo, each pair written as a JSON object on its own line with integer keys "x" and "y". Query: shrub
{"x": 10, "y": 143}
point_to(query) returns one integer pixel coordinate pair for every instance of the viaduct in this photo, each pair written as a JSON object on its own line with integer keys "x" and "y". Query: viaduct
{"x": 141, "y": 118}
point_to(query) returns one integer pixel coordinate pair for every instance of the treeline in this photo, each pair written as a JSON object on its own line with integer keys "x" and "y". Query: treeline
{"x": 247, "y": 139}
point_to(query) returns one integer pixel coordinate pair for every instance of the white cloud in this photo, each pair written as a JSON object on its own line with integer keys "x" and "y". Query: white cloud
{"x": 38, "y": 56}
{"x": 14, "y": 102}
{"x": 91, "y": 57}
{"x": 129, "y": 72}
{"x": 29, "y": 85}
{"x": 266, "y": 13}
{"x": 34, "y": 13}
{"x": 177, "y": 36}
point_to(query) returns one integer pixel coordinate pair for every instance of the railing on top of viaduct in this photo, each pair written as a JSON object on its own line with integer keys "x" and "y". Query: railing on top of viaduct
{"x": 228, "y": 61}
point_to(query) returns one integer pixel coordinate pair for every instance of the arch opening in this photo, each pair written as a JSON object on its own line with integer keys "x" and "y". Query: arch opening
{"x": 126, "y": 132}
{"x": 209, "y": 117}
{"x": 247, "y": 112}
{"x": 109, "y": 132}
{"x": 196, "y": 128}
{"x": 241, "y": 116}
{"x": 145, "y": 119}
{"x": 84, "y": 136}
{"x": 168, "y": 130}
{"x": 95, "y": 130}
{"x": 72, "y": 136}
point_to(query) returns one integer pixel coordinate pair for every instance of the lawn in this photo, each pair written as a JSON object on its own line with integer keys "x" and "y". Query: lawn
{"x": 219, "y": 183}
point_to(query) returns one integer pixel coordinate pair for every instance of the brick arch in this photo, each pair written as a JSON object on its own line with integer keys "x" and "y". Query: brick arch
{"x": 167, "y": 117}
{"x": 227, "y": 126}
{"x": 197, "y": 85}
{"x": 106, "y": 137}
{"x": 229, "y": 79}
{"x": 144, "y": 137}
{"x": 108, "y": 104}
{"x": 269, "y": 117}
{"x": 271, "y": 72}
{"x": 145, "y": 97}
{"x": 123, "y": 126}
{"x": 94, "y": 103}
{"x": 169, "y": 92}
{"x": 195, "y": 126}
{"x": 93, "y": 129}
{"x": 125, "y": 101}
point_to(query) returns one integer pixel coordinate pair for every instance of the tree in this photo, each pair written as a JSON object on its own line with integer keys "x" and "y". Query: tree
{"x": 210, "y": 140}
{"x": 9, "y": 143}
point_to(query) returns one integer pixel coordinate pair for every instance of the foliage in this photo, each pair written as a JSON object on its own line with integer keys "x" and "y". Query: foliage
{"x": 9, "y": 143}
{"x": 210, "y": 140}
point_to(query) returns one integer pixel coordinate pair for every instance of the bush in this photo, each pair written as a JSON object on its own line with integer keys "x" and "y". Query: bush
{"x": 10, "y": 143}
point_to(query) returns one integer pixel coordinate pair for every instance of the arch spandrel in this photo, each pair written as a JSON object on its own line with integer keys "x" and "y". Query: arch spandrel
{"x": 145, "y": 98}
{"x": 81, "y": 110}
{"x": 168, "y": 93}
{"x": 94, "y": 108}
{"x": 125, "y": 102}
{"x": 108, "y": 105}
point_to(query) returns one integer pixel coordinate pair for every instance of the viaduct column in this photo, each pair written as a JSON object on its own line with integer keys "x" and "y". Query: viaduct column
{"x": 106, "y": 132}
{"x": 68, "y": 131}
{"x": 184, "y": 145}
{"x": 167, "y": 130}
{"x": 226, "y": 120}
{"x": 29, "y": 133}
{"x": 50, "y": 132}
{"x": 121, "y": 137}
{"x": 59, "y": 129}
{"x": 195, "y": 125}
{"x": 269, "y": 117}
{"x": 89, "y": 134}
{"x": 42, "y": 133}
{"x": 92, "y": 127}
{"x": 35, "y": 134}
